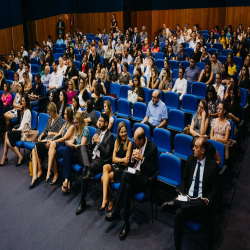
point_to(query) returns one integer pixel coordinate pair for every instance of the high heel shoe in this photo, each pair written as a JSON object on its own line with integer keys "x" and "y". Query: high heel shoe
{"x": 66, "y": 189}
{"x": 47, "y": 179}
{"x": 21, "y": 163}
{"x": 103, "y": 208}
{"x": 6, "y": 161}
{"x": 52, "y": 183}
{"x": 35, "y": 183}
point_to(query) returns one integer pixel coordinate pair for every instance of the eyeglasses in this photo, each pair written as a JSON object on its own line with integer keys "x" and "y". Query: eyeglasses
{"x": 201, "y": 107}
{"x": 101, "y": 120}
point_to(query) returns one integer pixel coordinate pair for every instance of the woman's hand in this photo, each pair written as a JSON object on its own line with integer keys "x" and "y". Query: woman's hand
{"x": 51, "y": 133}
{"x": 13, "y": 129}
{"x": 69, "y": 143}
{"x": 39, "y": 138}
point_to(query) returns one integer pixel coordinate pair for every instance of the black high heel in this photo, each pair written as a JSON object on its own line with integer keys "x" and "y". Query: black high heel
{"x": 47, "y": 179}
{"x": 21, "y": 163}
{"x": 35, "y": 183}
{"x": 6, "y": 161}
{"x": 52, "y": 183}
{"x": 103, "y": 208}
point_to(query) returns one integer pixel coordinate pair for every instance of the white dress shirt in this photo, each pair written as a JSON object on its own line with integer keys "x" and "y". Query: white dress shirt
{"x": 191, "y": 190}
{"x": 96, "y": 152}
{"x": 56, "y": 80}
{"x": 142, "y": 150}
{"x": 26, "y": 119}
{"x": 20, "y": 72}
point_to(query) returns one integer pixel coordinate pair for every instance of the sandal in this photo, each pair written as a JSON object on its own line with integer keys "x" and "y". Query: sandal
{"x": 66, "y": 189}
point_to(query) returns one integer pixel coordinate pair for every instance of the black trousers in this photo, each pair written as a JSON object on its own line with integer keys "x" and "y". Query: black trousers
{"x": 95, "y": 166}
{"x": 196, "y": 211}
{"x": 130, "y": 183}
{"x": 106, "y": 62}
{"x": 152, "y": 127}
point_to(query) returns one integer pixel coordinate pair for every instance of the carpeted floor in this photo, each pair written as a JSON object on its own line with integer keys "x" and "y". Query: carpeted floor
{"x": 44, "y": 218}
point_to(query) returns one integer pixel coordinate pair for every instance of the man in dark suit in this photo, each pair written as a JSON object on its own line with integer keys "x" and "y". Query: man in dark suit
{"x": 136, "y": 37}
{"x": 144, "y": 160}
{"x": 60, "y": 27}
{"x": 96, "y": 155}
{"x": 200, "y": 181}
{"x": 94, "y": 58}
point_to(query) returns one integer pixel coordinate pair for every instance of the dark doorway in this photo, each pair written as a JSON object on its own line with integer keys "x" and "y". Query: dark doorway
{"x": 24, "y": 7}
{"x": 126, "y": 17}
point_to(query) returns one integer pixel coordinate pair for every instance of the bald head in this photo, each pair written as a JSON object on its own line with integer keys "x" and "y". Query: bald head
{"x": 200, "y": 148}
{"x": 47, "y": 70}
{"x": 140, "y": 137}
{"x": 155, "y": 97}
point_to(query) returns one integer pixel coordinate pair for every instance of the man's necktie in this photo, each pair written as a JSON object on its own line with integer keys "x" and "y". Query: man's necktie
{"x": 197, "y": 181}
{"x": 138, "y": 160}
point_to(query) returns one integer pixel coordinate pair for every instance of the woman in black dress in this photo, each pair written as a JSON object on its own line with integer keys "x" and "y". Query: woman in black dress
{"x": 113, "y": 173}
{"x": 96, "y": 98}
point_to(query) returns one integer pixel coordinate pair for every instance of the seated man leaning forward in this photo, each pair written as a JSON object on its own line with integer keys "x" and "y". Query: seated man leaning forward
{"x": 144, "y": 160}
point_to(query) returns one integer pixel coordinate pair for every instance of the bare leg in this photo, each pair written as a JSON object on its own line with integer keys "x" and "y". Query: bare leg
{"x": 34, "y": 163}
{"x": 110, "y": 193}
{"x": 55, "y": 170}
{"x": 52, "y": 153}
{"x": 7, "y": 117}
{"x": 105, "y": 183}
{"x": 15, "y": 149}
{"x": 5, "y": 151}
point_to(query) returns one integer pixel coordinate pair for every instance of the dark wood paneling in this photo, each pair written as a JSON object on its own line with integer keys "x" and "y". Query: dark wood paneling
{"x": 236, "y": 16}
{"x": 142, "y": 18}
{"x": 5, "y": 41}
{"x": 17, "y": 32}
{"x": 90, "y": 22}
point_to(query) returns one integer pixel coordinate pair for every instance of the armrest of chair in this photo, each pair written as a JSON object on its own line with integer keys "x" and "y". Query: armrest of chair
{"x": 35, "y": 128}
{"x": 152, "y": 180}
{"x": 17, "y": 126}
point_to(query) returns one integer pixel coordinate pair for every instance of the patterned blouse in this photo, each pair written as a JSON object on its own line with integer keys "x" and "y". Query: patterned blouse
{"x": 212, "y": 107}
{"x": 220, "y": 130}
{"x": 85, "y": 133}
{"x": 55, "y": 127}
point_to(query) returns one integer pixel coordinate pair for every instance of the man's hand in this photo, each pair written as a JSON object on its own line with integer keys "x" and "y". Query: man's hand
{"x": 205, "y": 200}
{"x": 96, "y": 138}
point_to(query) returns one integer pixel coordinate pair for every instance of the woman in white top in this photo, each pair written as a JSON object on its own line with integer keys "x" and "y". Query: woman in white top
{"x": 75, "y": 105}
{"x": 181, "y": 84}
{"x": 108, "y": 56}
{"x": 108, "y": 110}
{"x": 17, "y": 104}
{"x": 14, "y": 136}
{"x": 146, "y": 60}
{"x": 219, "y": 88}
{"x": 142, "y": 80}
{"x": 138, "y": 64}
{"x": 149, "y": 68}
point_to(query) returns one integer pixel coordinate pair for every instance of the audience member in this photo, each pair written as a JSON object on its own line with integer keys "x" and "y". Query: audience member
{"x": 63, "y": 102}
{"x": 71, "y": 91}
{"x": 206, "y": 74}
{"x": 27, "y": 83}
{"x": 197, "y": 54}
{"x": 94, "y": 58}
{"x": 2, "y": 79}
{"x": 166, "y": 82}
{"x": 182, "y": 55}
{"x": 155, "y": 49}
{"x": 53, "y": 96}
{"x": 125, "y": 77}
{"x": 223, "y": 39}
{"x": 105, "y": 36}
{"x": 216, "y": 64}
{"x": 103, "y": 82}
{"x": 180, "y": 84}
{"x": 143, "y": 34}
{"x": 40, "y": 152}
{"x": 175, "y": 46}
{"x": 56, "y": 78}
{"x": 231, "y": 65}
{"x": 170, "y": 55}
{"x": 100, "y": 50}
{"x": 192, "y": 72}
{"x": 23, "y": 51}
{"x": 212, "y": 102}
{"x": 157, "y": 114}
{"x": 15, "y": 135}
{"x": 96, "y": 98}
{"x": 37, "y": 90}
{"x": 76, "y": 105}
{"x": 90, "y": 116}
{"x": 119, "y": 48}
{"x": 136, "y": 88}
{"x": 108, "y": 56}
{"x": 136, "y": 37}
{"x": 6, "y": 97}
{"x": 113, "y": 74}
{"x": 71, "y": 73}
{"x": 153, "y": 80}
{"x": 144, "y": 160}
{"x": 166, "y": 65}
{"x": 204, "y": 55}
{"x": 219, "y": 88}
{"x": 200, "y": 180}
{"x": 193, "y": 41}
{"x": 11, "y": 65}
{"x": 94, "y": 156}
{"x": 83, "y": 92}
{"x": 244, "y": 81}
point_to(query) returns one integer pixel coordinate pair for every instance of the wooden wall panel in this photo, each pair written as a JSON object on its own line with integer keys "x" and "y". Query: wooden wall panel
{"x": 237, "y": 15}
{"x": 18, "y": 40}
{"x": 5, "y": 41}
{"x": 206, "y": 18}
{"x": 32, "y": 37}
{"x": 142, "y": 18}
{"x": 90, "y": 22}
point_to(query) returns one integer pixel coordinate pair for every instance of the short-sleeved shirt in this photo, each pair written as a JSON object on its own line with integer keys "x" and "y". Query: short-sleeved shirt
{"x": 93, "y": 116}
{"x": 167, "y": 85}
{"x": 182, "y": 57}
{"x": 124, "y": 79}
{"x": 192, "y": 75}
{"x": 156, "y": 113}
{"x": 220, "y": 130}
{"x": 231, "y": 69}
{"x": 85, "y": 133}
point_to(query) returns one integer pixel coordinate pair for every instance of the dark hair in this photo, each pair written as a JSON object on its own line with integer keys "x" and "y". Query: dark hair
{"x": 90, "y": 106}
{"x": 183, "y": 69}
{"x": 7, "y": 85}
{"x": 125, "y": 64}
{"x": 193, "y": 58}
{"x": 92, "y": 74}
{"x": 226, "y": 67}
{"x": 55, "y": 62}
{"x": 204, "y": 144}
{"x": 216, "y": 54}
{"x": 139, "y": 70}
{"x": 27, "y": 59}
{"x": 42, "y": 65}
{"x": 139, "y": 81}
{"x": 183, "y": 45}
{"x": 97, "y": 89}
{"x": 27, "y": 65}
{"x": 38, "y": 77}
{"x": 224, "y": 107}
{"x": 69, "y": 114}
{"x": 216, "y": 27}
{"x": 247, "y": 73}
{"x": 211, "y": 89}
{"x": 27, "y": 100}
{"x": 105, "y": 117}
{"x": 54, "y": 97}
{"x": 49, "y": 36}
{"x": 205, "y": 106}
{"x": 232, "y": 58}
{"x": 65, "y": 96}
{"x": 232, "y": 107}
{"x": 113, "y": 61}
{"x": 75, "y": 97}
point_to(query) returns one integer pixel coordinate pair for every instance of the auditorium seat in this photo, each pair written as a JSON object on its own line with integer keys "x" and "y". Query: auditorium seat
{"x": 139, "y": 111}
{"x": 77, "y": 65}
{"x": 212, "y": 51}
{"x": 34, "y": 68}
{"x": 159, "y": 64}
{"x": 182, "y": 144}
{"x": 128, "y": 124}
{"x": 123, "y": 109}
{"x": 10, "y": 75}
{"x": 218, "y": 46}
{"x": 201, "y": 65}
{"x": 171, "y": 100}
{"x": 124, "y": 91}
{"x": 162, "y": 139}
{"x": 184, "y": 64}
{"x": 176, "y": 120}
{"x": 199, "y": 89}
{"x": 189, "y": 103}
{"x": 222, "y": 58}
{"x": 238, "y": 61}
{"x": 115, "y": 89}
{"x": 189, "y": 51}
{"x": 159, "y": 55}
{"x": 112, "y": 101}
{"x": 226, "y": 51}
